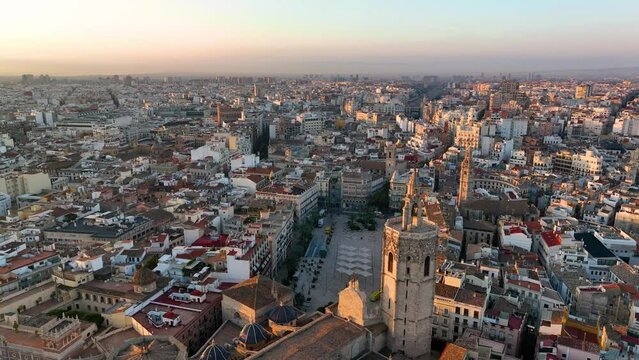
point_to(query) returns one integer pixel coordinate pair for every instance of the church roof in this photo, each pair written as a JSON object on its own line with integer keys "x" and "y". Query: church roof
{"x": 257, "y": 292}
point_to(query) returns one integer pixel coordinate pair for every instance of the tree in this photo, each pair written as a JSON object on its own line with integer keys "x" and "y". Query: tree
{"x": 298, "y": 300}
{"x": 379, "y": 199}
{"x": 69, "y": 218}
{"x": 151, "y": 263}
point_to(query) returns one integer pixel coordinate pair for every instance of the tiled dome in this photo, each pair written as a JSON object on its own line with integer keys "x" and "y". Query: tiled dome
{"x": 215, "y": 352}
{"x": 253, "y": 334}
{"x": 282, "y": 314}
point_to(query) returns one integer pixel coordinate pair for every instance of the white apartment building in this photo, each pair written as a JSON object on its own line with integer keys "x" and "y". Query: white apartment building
{"x": 588, "y": 163}
{"x": 303, "y": 195}
{"x": 552, "y": 140}
{"x": 627, "y": 218}
{"x": 626, "y": 126}
{"x": 310, "y": 122}
{"x": 512, "y": 234}
{"x": 502, "y": 150}
{"x": 618, "y": 242}
{"x": 467, "y": 135}
{"x": 542, "y": 163}
{"x": 18, "y": 184}
{"x": 518, "y": 158}
{"x": 5, "y": 203}
{"x": 512, "y": 128}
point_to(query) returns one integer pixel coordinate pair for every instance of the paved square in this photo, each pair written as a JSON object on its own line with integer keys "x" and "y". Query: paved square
{"x": 351, "y": 253}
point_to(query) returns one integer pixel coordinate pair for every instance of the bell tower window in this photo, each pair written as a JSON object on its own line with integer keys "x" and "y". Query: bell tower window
{"x": 389, "y": 262}
{"x": 427, "y": 266}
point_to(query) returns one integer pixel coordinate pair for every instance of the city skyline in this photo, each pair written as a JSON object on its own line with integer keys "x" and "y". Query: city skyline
{"x": 72, "y": 38}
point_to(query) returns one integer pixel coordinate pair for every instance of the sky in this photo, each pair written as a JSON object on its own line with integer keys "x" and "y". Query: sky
{"x": 87, "y": 37}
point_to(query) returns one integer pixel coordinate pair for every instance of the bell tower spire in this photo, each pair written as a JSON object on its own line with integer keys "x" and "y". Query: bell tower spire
{"x": 413, "y": 211}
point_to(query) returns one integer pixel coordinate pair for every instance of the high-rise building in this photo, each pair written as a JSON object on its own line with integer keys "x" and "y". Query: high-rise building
{"x": 27, "y": 78}
{"x": 464, "y": 178}
{"x": 583, "y": 91}
{"x": 257, "y": 90}
{"x": 408, "y": 276}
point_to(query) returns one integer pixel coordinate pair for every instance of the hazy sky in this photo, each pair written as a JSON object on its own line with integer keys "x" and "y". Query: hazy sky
{"x": 68, "y": 37}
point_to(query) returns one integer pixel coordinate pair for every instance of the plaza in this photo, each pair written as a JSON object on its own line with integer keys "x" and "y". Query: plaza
{"x": 350, "y": 253}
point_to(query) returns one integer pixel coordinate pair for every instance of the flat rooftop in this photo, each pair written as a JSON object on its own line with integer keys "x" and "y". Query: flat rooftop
{"x": 187, "y": 312}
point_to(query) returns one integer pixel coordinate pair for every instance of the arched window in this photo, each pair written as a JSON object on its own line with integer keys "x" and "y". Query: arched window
{"x": 427, "y": 266}
{"x": 389, "y": 263}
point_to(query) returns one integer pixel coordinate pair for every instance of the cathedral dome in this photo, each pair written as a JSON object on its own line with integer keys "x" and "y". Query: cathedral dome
{"x": 215, "y": 352}
{"x": 253, "y": 334}
{"x": 143, "y": 277}
{"x": 283, "y": 314}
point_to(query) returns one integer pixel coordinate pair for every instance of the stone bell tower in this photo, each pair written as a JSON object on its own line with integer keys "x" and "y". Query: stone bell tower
{"x": 464, "y": 177}
{"x": 391, "y": 160}
{"x": 408, "y": 276}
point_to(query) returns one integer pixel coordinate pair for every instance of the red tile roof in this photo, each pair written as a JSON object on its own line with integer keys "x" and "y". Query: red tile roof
{"x": 170, "y": 315}
{"x": 525, "y": 284}
{"x": 533, "y": 226}
{"x": 551, "y": 238}
{"x": 514, "y": 322}
{"x": 20, "y": 261}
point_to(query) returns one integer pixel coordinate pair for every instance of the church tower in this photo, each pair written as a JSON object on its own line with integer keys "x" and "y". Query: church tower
{"x": 464, "y": 178}
{"x": 408, "y": 276}
{"x": 391, "y": 160}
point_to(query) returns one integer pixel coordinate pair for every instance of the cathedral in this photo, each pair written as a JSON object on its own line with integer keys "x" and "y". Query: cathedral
{"x": 261, "y": 323}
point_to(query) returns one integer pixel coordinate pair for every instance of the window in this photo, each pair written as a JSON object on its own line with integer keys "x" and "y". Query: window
{"x": 457, "y": 310}
{"x": 427, "y": 266}
{"x": 389, "y": 263}
{"x": 476, "y": 314}
{"x": 389, "y": 303}
{"x": 465, "y": 312}
{"x": 407, "y": 270}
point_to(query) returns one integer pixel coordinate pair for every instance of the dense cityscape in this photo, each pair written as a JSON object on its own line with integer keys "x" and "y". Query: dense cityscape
{"x": 332, "y": 217}
{"x": 319, "y": 180}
